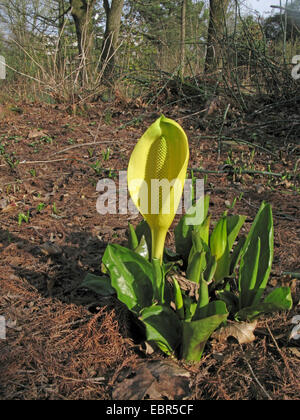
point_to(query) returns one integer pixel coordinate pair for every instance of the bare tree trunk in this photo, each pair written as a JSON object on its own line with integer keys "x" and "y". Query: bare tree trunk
{"x": 218, "y": 9}
{"x": 82, "y": 11}
{"x": 111, "y": 35}
{"x": 61, "y": 27}
{"x": 182, "y": 38}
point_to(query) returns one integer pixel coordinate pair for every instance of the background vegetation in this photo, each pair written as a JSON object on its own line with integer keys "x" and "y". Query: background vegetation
{"x": 85, "y": 50}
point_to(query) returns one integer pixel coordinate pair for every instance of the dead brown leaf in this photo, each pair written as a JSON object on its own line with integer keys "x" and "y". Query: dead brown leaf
{"x": 154, "y": 380}
{"x": 241, "y": 331}
{"x": 35, "y": 133}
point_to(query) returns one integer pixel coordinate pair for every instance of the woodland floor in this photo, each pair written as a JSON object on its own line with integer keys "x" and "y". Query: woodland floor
{"x": 64, "y": 342}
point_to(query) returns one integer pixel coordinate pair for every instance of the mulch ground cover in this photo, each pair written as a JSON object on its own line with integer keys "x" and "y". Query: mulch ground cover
{"x": 64, "y": 342}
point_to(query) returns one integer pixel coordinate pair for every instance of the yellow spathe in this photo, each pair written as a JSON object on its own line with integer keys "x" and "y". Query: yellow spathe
{"x": 156, "y": 174}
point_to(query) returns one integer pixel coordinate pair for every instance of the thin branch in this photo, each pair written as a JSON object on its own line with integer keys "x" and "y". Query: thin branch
{"x": 257, "y": 381}
{"x": 236, "y": 171}
{"x": 82, "y": 145}
{"x": 280, "y": 352}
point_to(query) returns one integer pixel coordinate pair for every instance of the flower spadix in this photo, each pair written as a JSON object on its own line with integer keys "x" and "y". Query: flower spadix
{"x": 156, "y": 175}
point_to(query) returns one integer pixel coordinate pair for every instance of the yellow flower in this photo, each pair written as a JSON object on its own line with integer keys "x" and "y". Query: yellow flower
{"x": 156, "y": 175}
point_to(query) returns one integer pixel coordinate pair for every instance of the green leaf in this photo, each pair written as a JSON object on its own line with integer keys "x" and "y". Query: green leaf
{"x": 234, "y": 225}
{"x": 131, "y": 276}
{"x": 279, "y": 299}
{"x": 222, "y": 267}
{"x": 210, "y": 268}
{"x": 196, "y": 267}
{"x": 196, "y": 333}
{"x": 248, "y": 275}
{"x": 183, "y": 231}
{"x": 159, "y": 281}
{"x": 190, "y": 307}
{"x": 171, "y": 256}
{"x": 229, "y": 298}
{"x": 141, "y": 230}
{"x": 142, "y": 248}
{"x": 98, "y": 284}
{"x": 203, "y": 300}
{"x": 163, "y": 327}
{"x": 132, "y": 238}
{"x": 200, "y": 236}
{"x": 226, "y": 266}
{"x": 262, "y": 227}
{"x": 218, "y": 239}
{"x": 236, "y": 255}
{"x": 178, "y": 299}
{"x": 203, "y": 230}
{"x": 212, "y": 308}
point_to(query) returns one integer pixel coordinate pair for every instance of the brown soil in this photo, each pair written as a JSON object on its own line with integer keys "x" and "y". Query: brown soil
{"x": 64, "y": 342}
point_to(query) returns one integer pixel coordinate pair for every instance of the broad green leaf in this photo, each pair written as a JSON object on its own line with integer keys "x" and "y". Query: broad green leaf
{"x": 196, "y": 333}
{"x": 203, "y": 300}
{"x": 212, "y": 308}
{"x": 228, "y": 263}
{"x": 183, "y": 231}
{"x": 222, "y": 267}
{"x": 159, "y": 281}
{"x": 234, "y": 225}
{"x": 262, "y": 227}
{"x": 279, "y": 299}
{"x": 141, "y": 230}
{"x": 203, "y": 230}
{"x": 142, "y": 248}
{"x": 236, "y": 255}
{"x": 178, "y": 299}
{"x": 210, "y": 268}
{"x": 171, "y": 256}
{"x": 131, "y": 276}
{"x": 200, "y": 236}
{"x": 183, "y": 238}
{"x": 218, "y": 239}
{"x": 229, "y": 298}
{"x": 190, "y": 307}
{"x": 98, "y": 284}
{"x": 163, "y": 327}
{"x": 132, "y": 238}
{"x": 196, "y": 267}
{"x": 248, "y": 275}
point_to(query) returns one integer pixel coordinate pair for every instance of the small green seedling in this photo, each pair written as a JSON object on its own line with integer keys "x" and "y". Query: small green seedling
{"x": 91, "y": 152}
{"x": 23, "y": 217}
{"x": 54, "y": 209}
{"x": 40, "y": 207}
{"x": 47, "y": 139}
{"x": 97, "y": 167}
{"x": 106, "y": 154}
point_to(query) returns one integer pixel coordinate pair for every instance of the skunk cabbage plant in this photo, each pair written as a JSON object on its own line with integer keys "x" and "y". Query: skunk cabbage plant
{"x": 226, "y": 271}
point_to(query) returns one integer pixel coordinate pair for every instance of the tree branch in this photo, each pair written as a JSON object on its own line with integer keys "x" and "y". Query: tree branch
{"x": 106, "y": 7}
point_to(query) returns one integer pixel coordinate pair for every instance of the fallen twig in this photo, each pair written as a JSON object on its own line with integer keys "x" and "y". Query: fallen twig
{"x": 280, "y": 352}
{"x": 237, "y": 171}
{"x": 256, "y": 380}
{"x": 83, "y": 145}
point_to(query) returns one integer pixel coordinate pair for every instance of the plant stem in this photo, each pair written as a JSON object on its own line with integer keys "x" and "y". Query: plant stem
{"x": 158, "y": 242}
